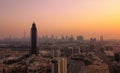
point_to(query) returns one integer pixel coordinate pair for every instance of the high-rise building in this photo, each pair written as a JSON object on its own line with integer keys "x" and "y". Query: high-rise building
{"x": 33, "y": 39}
{"x": 55, "y": 66}
{"x": 59, "y": 65}
{"x": 63, "y": 65}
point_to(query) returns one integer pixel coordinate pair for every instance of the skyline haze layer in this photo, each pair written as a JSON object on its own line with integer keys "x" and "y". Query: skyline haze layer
{"x": 90, "y": 18}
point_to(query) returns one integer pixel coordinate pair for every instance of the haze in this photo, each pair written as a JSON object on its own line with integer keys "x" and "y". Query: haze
{"x": 90, "y": 18}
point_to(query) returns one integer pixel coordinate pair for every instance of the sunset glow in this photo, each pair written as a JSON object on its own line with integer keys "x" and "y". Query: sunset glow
{"x": 90, "y": 18}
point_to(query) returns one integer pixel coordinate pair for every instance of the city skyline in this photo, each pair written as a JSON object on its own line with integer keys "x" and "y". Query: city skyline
{"x": 55, "y": 17}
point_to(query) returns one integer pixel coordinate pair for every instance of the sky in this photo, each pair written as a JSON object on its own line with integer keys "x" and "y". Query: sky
{"x": 90, "y": 18}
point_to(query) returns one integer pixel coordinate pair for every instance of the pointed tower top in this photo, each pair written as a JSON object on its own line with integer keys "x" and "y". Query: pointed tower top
{"x": 33, "y": 25}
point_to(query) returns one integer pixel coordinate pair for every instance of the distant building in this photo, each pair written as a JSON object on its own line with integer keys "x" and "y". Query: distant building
{"x": 56, "y": 53}
{"x": 68, "y": 51}
{"x": 117, "y": 57}
{"x": 93, "y": 40}
{"x": 62, "y": 38}
{"x": 71, "y": 50}
{"x": 67, "y": 38}
{"x": 101, "y": 38}
{"x": 33, "y": 39}
{"x": 71, "y": 39}
{"x": 80, "y": 39}
{"x": 101, "y": 41}
{"x": 52, "y": 37}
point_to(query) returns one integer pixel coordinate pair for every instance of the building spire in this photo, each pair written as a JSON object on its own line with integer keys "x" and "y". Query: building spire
{"x": 33, "y": 39}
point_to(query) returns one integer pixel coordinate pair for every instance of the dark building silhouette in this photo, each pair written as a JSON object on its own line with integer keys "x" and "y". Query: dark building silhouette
{"x": 117, "y": 57}
{"x": 55, "y": 66}
{"x": 33, "y": 39}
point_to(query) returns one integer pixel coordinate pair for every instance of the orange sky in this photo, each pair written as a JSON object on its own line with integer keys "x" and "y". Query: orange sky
{"x": 90, "y": 18}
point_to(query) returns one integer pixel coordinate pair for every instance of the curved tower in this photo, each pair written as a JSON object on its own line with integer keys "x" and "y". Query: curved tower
{"x": 33, "y": 39}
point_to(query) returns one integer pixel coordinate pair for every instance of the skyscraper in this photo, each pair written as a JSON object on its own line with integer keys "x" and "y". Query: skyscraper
{"x": 59, "y": 65}
{"x": 33, "y": 39}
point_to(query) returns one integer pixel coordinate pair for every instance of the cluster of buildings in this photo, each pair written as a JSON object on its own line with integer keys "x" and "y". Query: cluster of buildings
{"x": 32, "y": 61}
{"x": 65, "y": 55}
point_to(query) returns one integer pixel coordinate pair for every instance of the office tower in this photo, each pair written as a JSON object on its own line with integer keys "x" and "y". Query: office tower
{"x": 55, "y": 66}
{"x": 63, "y": 65}
{"x": 59, "y": 65}
{"x": 33, "y": 39}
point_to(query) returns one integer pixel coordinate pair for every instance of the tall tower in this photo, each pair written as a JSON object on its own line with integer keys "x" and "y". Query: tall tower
{"x": 33, "y": 39}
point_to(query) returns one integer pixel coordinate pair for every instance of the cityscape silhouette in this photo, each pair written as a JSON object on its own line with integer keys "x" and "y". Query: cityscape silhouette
{"x": 68, "y": 36}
